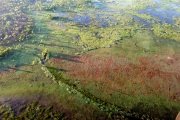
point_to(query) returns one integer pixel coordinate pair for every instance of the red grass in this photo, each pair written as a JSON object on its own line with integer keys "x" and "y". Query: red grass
{"x": 152, "y": 73}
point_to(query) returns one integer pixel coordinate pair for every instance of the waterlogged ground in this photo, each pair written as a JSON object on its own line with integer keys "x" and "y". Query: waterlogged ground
{"x": 91, "y": 59}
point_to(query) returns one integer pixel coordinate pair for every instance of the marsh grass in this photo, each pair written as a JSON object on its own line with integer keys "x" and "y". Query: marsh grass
{"x": 34, "y": 87}
{"x": 125, "y": 75}
{"x": 134, "y": 103}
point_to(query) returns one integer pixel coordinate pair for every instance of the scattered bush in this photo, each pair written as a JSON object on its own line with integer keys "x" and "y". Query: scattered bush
{"x": 4, "y": 51}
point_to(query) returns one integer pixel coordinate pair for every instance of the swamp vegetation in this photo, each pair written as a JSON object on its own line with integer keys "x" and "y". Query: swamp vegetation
{"x": 89, "y": 59}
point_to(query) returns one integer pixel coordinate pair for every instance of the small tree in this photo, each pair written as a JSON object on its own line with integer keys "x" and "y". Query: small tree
{"x": 45, "y": 54}
{"x": 8, "y": 23}
{"x": 49, "y": 17}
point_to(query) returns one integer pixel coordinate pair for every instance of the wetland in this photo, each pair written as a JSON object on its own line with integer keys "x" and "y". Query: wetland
{"x": 89, "y": 59}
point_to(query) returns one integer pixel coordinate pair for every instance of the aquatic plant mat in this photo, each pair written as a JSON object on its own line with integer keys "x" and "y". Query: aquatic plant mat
{"x": 93, "y": 59}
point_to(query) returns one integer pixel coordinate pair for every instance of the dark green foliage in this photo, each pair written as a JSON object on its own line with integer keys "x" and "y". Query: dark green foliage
{"x": 5, "y": 51}
{"x": 155, "y": 110}
{"x": 15, "y": 25}
{"x": 49, "y": 16}
{"x": 31, "y": 111}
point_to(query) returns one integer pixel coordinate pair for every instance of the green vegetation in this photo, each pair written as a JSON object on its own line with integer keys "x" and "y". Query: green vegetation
{"x": 49, "y": 17}
{"x": 178, "y": 22}
{"x": 140, "y": 4}
{"x": 143, "y": 16}
{"x": 63, "y": 34}
{"x": 133, "y": 5}
{"x": 4, "y": 51}
{"x": 67, "y": 5}
{"x": 48, "y": 73}
{"x": 32, "y": 110}
{"x": 94, "y": 37}
{"x": 15, "y": 25}
{"x": 166, "y": 31}
{"x": 45, "y": 54}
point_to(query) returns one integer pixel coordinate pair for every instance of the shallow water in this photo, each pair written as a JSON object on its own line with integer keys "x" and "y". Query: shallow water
{"x": 161, "y": 13}
{"x": 103, "y": 19}
{"x": 82, "y": 19}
